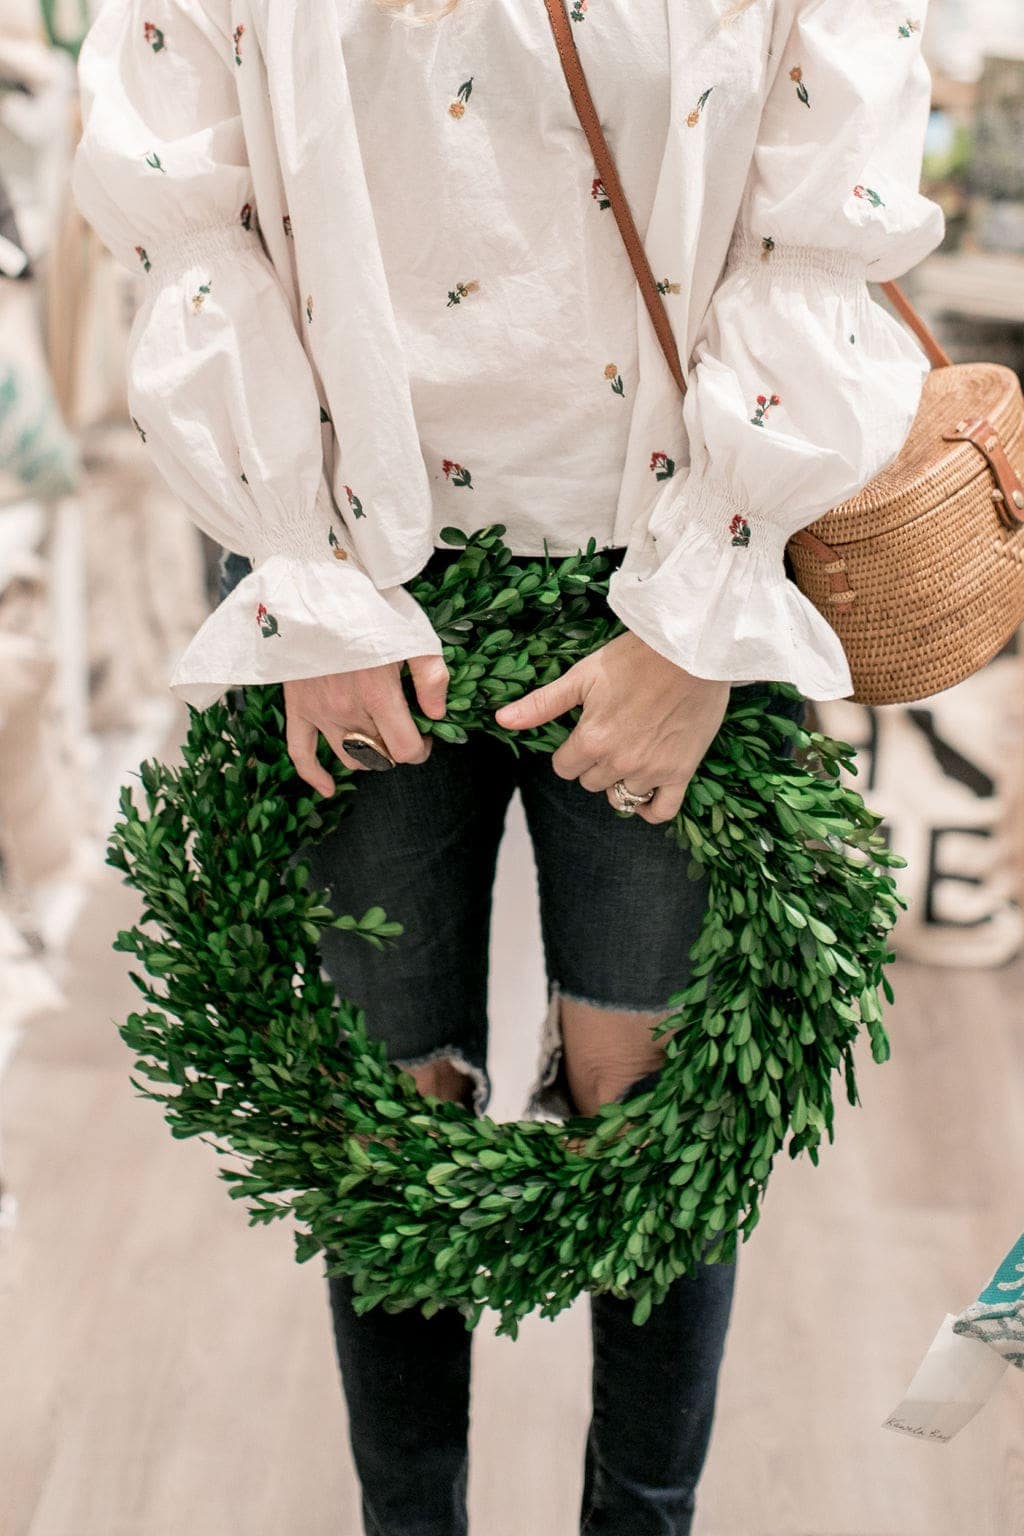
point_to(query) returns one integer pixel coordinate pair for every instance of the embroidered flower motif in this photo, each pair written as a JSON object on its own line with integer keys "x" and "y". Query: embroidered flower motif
{"x": 141, "y": 253}
{"x": 739, "y": 531}
{"x": 664, "y": 286}
{"x": 457, "y": 474}
{"x": 457, "y": 108}
{"x": 199, "y": 297}
{"x": 693, "y": 118}
{"x": 332, "y": 539}
{"x": 579, "y": 10}
{"x": 245, "y": 217}
{"x": 286, "y": 225}
{"x": 908, "y": 28}
{"x": 266, "y": 621}
{"x": 796, "y": 74}
{"x": 354, "y": 502}
{"x": 662, "y": 467}
{"x": 309, "y": 308}
{"x": 870, "y": 194}
{"x": 461, "y": 291}
{"x": 599, "y": 194}
{"x": 764, "y": 405}
{"x": 767, "y": 246}
{"x": 153, "y": 160}
{"x": 614, "y": 377}
{"x": 138, "y": 429}
{"x": 154, "y": 37}
{"x": 236, "y": 38}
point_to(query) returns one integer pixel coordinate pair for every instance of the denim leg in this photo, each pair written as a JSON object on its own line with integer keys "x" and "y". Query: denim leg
{"x": 406, "y": 1379}
{"x": 421, "y": 841}
{"x": 654, "y": 1389}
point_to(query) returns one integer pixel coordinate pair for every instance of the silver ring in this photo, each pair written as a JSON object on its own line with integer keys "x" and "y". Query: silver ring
{"x": 628, "y": 802}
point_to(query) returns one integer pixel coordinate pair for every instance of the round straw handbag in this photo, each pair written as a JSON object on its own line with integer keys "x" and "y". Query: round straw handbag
{"x": 921, "y": 574}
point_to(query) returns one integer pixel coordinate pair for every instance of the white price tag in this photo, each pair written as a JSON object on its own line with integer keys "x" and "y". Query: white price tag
{"x": 954, "y": 1380}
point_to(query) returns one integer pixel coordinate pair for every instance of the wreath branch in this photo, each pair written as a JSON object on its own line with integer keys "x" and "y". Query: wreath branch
{"x": 424, "y": 1203}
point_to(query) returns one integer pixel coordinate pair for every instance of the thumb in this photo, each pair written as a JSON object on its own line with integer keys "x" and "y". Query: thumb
{"x": 430, "y": 679}
{"x": 543, "y": 703}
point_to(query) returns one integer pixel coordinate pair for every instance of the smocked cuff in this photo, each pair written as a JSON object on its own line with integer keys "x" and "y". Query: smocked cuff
{"x": 292, "y": 618}
{"x": 713, "y": 596}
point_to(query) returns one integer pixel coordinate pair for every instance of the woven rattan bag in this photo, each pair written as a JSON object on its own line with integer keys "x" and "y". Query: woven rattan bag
{"x": 921, "y": 575}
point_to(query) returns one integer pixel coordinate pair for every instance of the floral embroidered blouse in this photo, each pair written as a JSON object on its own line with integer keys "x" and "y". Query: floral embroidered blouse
{"x": 384, "y": 294}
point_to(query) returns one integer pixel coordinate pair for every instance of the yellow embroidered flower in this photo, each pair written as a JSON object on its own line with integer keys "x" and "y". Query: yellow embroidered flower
{"x": 613, "y": 376}
{"x": 461, "y": 291}
{"x": 457, "y": 108}
{"x": 693, "y": 118}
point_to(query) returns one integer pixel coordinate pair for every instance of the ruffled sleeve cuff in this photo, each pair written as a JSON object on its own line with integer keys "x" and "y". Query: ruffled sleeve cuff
{"x": 709, "y": 591}
{"x": 294, "y": 618}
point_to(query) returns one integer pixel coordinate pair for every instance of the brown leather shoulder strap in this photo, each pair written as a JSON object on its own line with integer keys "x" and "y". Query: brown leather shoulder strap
{"x": 584, "y": 104}
{"x": 579, "y": 90}
{"x": 937, "y": 355}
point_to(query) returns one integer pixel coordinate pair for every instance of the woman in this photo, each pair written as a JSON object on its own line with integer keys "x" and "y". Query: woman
{"x": 385, "y": 295}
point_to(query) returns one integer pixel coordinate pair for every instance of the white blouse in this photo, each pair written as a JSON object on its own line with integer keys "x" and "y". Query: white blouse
{"x": 385, "y": 295}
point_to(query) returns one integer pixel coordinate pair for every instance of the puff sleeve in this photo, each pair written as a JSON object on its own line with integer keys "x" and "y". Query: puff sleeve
{"x": 219, "y": 385}
{"x": 801, "y": 388}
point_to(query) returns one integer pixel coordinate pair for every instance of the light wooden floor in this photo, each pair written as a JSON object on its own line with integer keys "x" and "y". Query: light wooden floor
{"x": 165, "y": 1369}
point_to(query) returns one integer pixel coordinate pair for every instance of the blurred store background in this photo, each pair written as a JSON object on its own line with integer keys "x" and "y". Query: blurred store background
{"x": 102, "y": 581}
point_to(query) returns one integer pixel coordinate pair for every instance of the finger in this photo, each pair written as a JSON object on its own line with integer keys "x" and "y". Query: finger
{"x": 387, "y": 706}
{"x": 597, "y": 776}
{"x": 545, "y": 703}
{"x": 430, "y": 679}
{"x": 666, "y": 803}
{"x": 302, "y": 737}
{"x": 575, "y": 756}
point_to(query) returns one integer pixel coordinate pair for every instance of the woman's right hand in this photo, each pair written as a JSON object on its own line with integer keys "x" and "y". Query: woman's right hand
{"x": 369, "y": 699}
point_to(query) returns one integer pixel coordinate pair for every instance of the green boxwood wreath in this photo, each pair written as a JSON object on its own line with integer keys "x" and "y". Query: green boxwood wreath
{"x": 421, "y": 1201}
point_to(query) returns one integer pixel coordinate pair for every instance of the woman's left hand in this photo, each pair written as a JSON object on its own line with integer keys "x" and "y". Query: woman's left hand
{"x": 645, "y": 721}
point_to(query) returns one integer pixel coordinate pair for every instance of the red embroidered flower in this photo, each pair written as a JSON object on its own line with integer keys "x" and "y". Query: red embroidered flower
{"x": 457, "y": 474}
{"x": 599, "y": 193}
{"x": 739, "y": 530}
{"x": 266, "y": 621}
{"x": 764, "y": 405}
{"x": 662, "y": 467}
{"x": 354, "y": 502}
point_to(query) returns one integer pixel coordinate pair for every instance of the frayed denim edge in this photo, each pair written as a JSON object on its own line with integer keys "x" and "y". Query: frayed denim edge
{"x": 549, "y": 1099}
{"x": 478, "y": 1076}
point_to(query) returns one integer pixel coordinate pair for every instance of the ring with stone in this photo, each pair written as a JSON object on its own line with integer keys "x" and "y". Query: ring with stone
{"x": 627, "y": 800}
